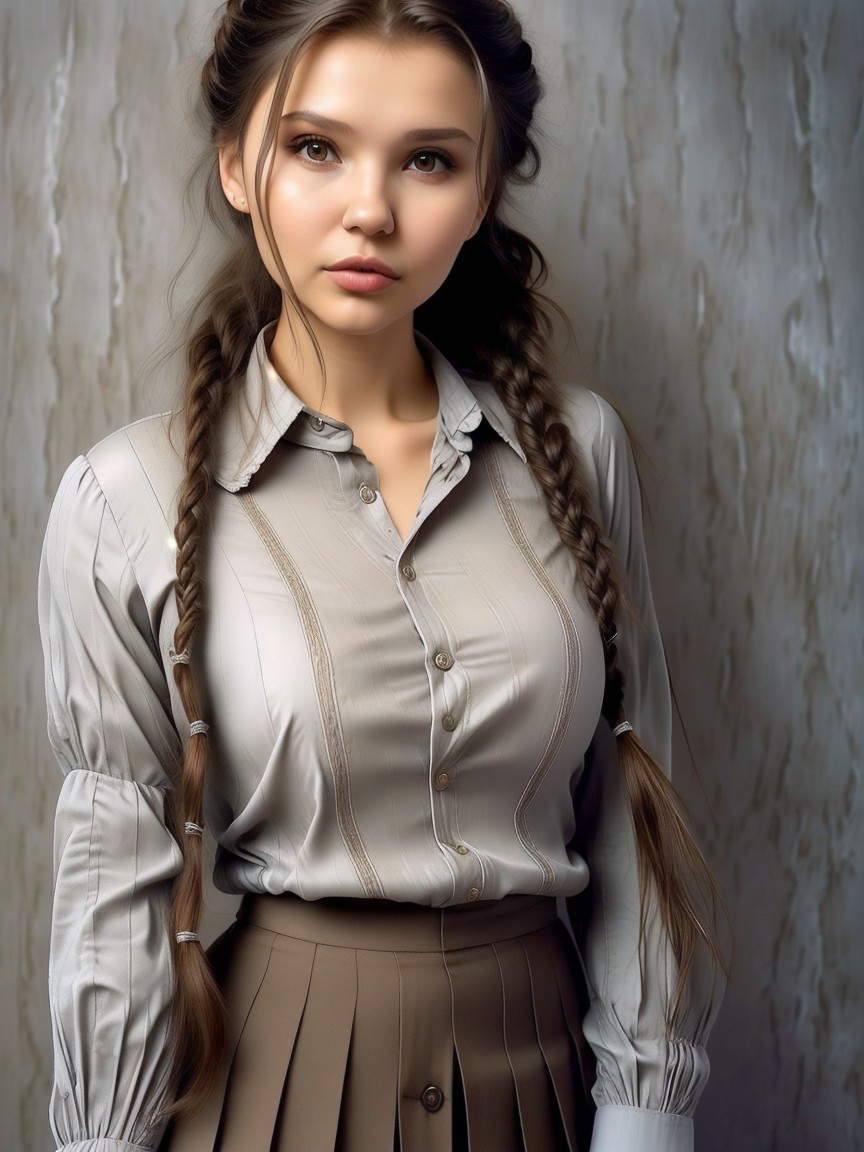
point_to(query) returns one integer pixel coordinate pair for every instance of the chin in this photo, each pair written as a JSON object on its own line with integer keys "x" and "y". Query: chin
{"x": 374, "y": 322}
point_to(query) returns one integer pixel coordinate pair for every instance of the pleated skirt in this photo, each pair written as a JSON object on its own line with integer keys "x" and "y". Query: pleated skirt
{"x": 371, "y": 1026}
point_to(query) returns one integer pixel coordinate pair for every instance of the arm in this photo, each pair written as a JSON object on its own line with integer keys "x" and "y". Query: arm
{"x": 109, "y": 723}
{"x": 647, "y": 1085}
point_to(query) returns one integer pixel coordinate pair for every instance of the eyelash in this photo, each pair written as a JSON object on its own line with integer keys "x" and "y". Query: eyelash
{"x": 297, "y": 146}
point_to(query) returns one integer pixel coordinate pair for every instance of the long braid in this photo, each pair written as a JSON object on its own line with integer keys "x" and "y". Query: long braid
{"x": 671, "y": 864}
{"x": 197, "y": 1012}
{"x": 235, "y": 306}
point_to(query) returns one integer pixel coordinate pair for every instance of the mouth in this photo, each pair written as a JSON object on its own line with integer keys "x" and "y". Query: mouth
{"x": 365, "y": 264}
{"x": 362, "y": 274}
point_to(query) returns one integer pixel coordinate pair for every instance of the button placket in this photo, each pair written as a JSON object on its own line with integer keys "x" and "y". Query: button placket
{"x": 448, "y": 699}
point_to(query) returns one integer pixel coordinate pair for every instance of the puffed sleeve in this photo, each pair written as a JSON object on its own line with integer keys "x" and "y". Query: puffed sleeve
{"x": 647, "y": 1084}
{"x": 109, "y": 722}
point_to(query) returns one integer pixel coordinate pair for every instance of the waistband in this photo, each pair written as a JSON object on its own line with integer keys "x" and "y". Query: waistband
{"x": 388, "y": 926}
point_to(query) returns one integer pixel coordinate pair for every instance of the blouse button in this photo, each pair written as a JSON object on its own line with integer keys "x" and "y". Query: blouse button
{"x": 317, "y": 423}
{"x": 368, "y": 495}
{"x": 473, "y": 894}
{"x": 443, "y": 660}
{"x": 462, "y": 850}
{"x": 448, "y": 723}
{"x": 409, "y": 573}
{"x": 442, "y": 781}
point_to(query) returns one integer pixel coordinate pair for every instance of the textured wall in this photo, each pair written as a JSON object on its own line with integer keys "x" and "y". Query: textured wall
{"x": 702, "y": 202}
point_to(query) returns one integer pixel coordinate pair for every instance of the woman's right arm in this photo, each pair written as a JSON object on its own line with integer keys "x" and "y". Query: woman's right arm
{"x": 110, "y": 724}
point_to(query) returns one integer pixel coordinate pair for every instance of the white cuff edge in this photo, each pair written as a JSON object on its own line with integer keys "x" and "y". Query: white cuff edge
{"x": 620, "y": 1128}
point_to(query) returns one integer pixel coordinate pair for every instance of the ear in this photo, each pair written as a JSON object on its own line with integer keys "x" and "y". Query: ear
{"x": 231, "y": 176}
{"x": 482, "y": 209}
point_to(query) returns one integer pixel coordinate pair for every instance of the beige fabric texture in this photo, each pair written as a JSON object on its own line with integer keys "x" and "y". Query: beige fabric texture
{"x": 348, "y": 1022}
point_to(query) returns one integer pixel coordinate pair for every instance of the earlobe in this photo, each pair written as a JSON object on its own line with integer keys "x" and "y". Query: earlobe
{"x": 231, "y": 177}
{"x": 478, "y": 220}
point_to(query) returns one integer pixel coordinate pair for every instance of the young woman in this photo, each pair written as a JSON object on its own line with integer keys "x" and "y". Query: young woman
{"x": 375, "y": 611}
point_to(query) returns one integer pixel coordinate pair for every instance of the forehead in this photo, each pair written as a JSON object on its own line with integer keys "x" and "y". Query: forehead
{"x": 391, "y": 85}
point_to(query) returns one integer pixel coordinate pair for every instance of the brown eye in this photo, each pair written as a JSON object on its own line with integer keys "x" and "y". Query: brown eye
{"x": 318, "y": 151}
{"x": 430, "y": 163}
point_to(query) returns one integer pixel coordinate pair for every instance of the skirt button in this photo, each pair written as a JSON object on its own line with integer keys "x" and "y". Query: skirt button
{"x": 432, "y": 1098}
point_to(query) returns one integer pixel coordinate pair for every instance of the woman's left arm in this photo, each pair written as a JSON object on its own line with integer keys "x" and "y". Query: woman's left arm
{"x": 648, "y": 1082}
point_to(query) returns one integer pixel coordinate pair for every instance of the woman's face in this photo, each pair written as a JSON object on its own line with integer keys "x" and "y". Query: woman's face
{"x": 374, "y": 181}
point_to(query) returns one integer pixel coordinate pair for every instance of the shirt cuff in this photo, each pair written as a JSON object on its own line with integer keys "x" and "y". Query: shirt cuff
{"x": 104, "y": 1144}
{"x": 618, "y": 1128}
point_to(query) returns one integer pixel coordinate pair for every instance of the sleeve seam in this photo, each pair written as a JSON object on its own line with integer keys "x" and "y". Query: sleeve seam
{"x": 133, "y": 569}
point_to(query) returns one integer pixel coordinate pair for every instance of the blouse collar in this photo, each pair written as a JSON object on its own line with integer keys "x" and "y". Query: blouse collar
{"x": 264, "y": 409}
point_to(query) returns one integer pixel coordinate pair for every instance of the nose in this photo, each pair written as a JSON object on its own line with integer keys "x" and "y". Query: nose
{"x": 369, "y": 207}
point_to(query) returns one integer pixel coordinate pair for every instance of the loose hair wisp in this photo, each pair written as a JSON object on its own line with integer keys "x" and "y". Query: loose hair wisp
{"x": 490, "y": 319}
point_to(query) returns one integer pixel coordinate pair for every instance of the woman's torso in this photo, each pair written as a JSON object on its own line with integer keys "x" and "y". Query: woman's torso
{"x": 387, "y": 718}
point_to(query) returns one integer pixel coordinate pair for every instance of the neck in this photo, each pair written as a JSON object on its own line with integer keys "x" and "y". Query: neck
{"x": 370, "y": 377}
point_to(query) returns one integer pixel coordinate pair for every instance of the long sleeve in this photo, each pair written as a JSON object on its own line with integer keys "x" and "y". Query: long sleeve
{"x": 110, "y": 726}
{"x": 647, "y": 1085}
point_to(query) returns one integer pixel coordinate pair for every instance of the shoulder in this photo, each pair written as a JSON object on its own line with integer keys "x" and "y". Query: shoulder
{"x": 594, "y": 424}
{"x": 141, "y": 460}
{"x": 116, "y": 505}
{"x": 603, "y": 448}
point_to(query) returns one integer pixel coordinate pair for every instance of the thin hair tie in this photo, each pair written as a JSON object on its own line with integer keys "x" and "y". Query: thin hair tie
{"x": 624, "y": 726}
{"x": 192, "y": 829}
{"x": 177, "y": 657}
{"x": 187, "y": 937}
{"x": 198, "y": 728}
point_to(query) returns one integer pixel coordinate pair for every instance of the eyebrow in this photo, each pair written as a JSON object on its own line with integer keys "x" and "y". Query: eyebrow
{"x": 415, "y": 136}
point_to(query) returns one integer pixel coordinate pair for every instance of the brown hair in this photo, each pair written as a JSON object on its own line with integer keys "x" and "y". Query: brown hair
{"x": 501, "y": 337}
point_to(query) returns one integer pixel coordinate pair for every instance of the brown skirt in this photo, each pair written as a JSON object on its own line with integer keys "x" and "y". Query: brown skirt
{"x": 368, "y": 1026}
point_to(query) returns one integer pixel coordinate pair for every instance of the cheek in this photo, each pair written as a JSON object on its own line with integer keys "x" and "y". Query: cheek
{"x": 299, "y": 221}
{"x": 440, "y": 233}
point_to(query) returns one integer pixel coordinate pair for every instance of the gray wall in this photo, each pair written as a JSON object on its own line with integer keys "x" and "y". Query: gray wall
{"x": 702, "y": 205}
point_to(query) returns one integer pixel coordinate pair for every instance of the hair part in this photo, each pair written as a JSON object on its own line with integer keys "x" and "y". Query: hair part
{"x": 503, "y": 336}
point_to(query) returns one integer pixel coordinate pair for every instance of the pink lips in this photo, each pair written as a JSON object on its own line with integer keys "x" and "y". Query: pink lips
{"x": 362, "y": 274}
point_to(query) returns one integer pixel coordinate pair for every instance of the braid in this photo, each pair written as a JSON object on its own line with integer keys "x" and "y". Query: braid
{"x": 197, "y": 1006}
{"x": 236, "y": 305}
{"x": 670, "y": 863}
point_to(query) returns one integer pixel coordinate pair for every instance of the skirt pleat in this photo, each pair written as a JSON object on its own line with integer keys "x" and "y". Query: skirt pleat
{"x": 425, "y": 1052}
{"x": 553, "y": 1033}
{"x": 257, "y": 1077}
{"x": 371, "y": 1102}
{"x": 574, "y": 999}
{"x": 241, "y": 971}
{"x": 487, "y": 1076}
{"x": 534, "y": 1090}
{"x": 367, "y": 1026}
{"x": 309, "y": 1118}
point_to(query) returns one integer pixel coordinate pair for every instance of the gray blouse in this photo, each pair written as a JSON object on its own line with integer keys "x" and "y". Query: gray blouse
{"x": 387, "y": 718}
